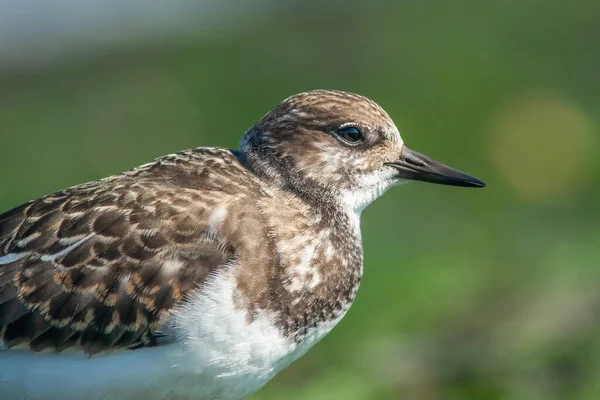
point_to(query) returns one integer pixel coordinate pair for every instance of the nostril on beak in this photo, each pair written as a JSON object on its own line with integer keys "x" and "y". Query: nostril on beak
{"x": 414, "y": 161}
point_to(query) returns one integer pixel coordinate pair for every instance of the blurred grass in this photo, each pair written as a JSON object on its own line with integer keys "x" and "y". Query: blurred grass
{"x": 488, "y": 294}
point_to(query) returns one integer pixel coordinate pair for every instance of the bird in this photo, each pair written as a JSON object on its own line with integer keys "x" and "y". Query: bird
{"x": 201, "y": 274}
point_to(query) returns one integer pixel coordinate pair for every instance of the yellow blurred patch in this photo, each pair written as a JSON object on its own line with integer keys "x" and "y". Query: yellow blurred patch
{"x": 544, "y": 146}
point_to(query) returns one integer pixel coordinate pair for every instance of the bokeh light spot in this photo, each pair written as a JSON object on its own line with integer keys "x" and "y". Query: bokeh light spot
{"x": 543, "y": 145}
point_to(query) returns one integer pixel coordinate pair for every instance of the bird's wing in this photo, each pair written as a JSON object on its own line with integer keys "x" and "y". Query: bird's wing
{"x": 101, "y": 266}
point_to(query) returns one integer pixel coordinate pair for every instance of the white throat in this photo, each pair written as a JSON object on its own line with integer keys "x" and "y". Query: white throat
{"x": 371, "y": 187}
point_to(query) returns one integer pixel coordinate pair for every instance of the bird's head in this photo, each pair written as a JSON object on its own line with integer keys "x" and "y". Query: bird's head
{"x": 336, "y": 145}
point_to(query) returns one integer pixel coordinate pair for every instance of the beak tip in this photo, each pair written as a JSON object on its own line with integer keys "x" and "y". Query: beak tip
{"x": 478, "y": 184}
{"x": 467, "y": 180}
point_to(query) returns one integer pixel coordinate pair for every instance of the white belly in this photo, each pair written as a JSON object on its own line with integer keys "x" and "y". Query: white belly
{"x": 219, "y": 354}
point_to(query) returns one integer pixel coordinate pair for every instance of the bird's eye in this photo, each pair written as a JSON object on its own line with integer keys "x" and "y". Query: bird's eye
{"x": 349, "y": 134}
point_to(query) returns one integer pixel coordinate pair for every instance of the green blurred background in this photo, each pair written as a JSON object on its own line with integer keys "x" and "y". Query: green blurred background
{"x": 467, "y": 294}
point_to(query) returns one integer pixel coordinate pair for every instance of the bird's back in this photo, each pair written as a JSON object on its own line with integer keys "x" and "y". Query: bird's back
{"x": 102, "y": 266}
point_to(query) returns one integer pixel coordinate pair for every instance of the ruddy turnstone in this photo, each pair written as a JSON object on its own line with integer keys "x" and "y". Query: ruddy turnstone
{"x": 203, "y": 273}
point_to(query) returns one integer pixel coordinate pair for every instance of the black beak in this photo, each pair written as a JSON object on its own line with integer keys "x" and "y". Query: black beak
{"x": 418, "y": 167}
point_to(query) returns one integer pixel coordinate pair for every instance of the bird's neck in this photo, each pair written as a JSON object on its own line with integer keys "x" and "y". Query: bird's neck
{"x": 317, "y": 244}
{"x": 277, "y": 176}
{"x": 320, "y": 262}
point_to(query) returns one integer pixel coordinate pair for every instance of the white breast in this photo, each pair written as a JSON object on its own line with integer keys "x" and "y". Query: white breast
{"x": 220, "y": 353}
{"x": 237, "y": 351}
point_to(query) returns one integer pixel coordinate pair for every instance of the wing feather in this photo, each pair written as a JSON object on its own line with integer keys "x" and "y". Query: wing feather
{"x": 85, "y": 268}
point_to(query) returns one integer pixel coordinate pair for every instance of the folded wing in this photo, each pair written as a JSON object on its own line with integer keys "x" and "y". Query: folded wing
{"x": 103, "y": 265}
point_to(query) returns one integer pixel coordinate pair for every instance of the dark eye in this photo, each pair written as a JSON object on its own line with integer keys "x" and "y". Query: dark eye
{"x": 350, "y": 134}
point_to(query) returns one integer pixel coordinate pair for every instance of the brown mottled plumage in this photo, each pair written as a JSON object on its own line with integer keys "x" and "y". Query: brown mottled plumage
{"x": 236, "y": 262}
{"x": 112, "y": 290}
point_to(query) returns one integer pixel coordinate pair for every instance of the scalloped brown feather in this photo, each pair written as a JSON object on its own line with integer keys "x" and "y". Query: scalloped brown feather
{"x": 88, "y": 269}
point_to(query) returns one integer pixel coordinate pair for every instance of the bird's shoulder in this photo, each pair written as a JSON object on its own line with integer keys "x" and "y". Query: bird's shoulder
{"x": 102, "y": 265}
